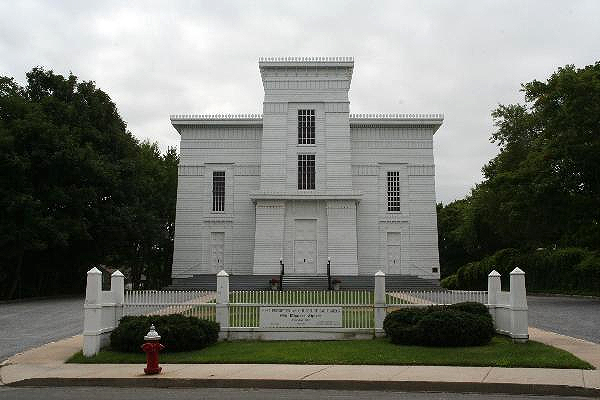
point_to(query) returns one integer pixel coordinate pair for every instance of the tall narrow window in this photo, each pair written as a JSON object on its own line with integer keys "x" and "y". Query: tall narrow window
{"x": 218, "y": 190}
{"x": 306, "y": 171}
{"x": 306, "y": 126}
{"x": 393, "y": 190}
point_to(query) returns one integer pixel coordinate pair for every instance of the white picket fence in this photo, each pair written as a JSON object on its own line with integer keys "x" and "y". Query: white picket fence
{"x": 239, "y": 312}
{"x": 196, "y": 303}
{"x": 244, "y": 306}
{"x": 435, "y": 297}
{"x": 357, "y": 306}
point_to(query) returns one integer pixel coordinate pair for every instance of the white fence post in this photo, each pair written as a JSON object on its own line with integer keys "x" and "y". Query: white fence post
{"x": 92, "y": 313}
{"x": 223, "y": 299}
{"x": 494, "y": 286}
{"x": 117, "y": 289}
{"x": 379, "y": 303}
{"x": 102, "y": 310}
{"x": 518, "y": 306}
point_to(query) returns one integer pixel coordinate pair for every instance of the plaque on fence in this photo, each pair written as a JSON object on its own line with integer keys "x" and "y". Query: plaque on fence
{"x": 300, "y": 317}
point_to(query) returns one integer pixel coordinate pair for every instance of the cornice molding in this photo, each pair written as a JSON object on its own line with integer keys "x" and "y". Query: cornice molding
{"x": 375, "y": 120}
{"x": 397, "y": 116}
{"x": 211, "y": 117}
{"x": 349, "y": 195}
{"x": 304, "y": 59}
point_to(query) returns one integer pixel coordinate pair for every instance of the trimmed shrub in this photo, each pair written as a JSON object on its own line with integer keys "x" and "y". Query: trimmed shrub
{"x": 568, "y": 270}
{"x": 178, "y": 332}
{"x": 462, "y": 324}
{"x": 455, "y": 328}
{"x": 472, "y": 307}
{"x": 400, "y": 325}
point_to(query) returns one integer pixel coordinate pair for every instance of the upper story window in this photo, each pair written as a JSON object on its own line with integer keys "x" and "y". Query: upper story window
{"x": 218, "y": 190}
{"x": 306, "y": 171}
{"x": 306, "y": 126}
{"x": 393, "y": 190}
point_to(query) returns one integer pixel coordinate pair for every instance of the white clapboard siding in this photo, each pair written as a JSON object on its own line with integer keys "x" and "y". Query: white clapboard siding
{"x": 353, "y": 154}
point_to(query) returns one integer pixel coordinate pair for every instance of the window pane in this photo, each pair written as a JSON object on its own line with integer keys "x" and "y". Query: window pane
{"x": 393, "y": 190}
{"x": 306, "y": 126}
{"x": 218, "y": 190}
{"x": 306, "y": 171}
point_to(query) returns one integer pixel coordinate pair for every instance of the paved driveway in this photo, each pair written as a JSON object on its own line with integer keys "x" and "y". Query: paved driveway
{"x": 572, "y": 316}
{"x": 28, "y": 324}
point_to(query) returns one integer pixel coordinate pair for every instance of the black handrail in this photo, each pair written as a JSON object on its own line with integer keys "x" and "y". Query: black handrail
{"x": 328, "y": 273}
{"x": 281, "y": 272}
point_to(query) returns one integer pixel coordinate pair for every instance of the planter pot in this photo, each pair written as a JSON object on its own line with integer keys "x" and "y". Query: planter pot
{"x": 274, "y": 286}
{"x": 336, "y": 286}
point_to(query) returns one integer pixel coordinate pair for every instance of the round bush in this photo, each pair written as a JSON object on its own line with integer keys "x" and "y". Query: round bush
{"x": 178, "y": 332}
{"x": 462, "y": 324}
{"x": 471, "y": 307}
{"x": 454, "y": 328}
{"x": 400, "y": 325}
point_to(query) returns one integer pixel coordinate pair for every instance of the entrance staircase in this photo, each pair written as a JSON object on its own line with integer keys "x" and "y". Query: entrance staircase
{"x": 304, "y": 282}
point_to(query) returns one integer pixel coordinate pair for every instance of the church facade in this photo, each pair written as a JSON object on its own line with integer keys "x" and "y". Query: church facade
{"x": 306, "y": 182}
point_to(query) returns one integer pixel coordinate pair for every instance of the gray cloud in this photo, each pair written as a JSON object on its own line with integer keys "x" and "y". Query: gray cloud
{"x": 459, "y": 58}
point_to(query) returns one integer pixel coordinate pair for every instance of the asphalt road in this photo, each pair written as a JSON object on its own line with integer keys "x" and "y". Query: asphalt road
{"x": 572, "y": 316}
{"x": 91, "y": 393}
{"x": 32, "y": 323}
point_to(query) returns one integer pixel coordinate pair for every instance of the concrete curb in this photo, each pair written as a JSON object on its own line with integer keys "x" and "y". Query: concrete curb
{"x": 405, "y": 386}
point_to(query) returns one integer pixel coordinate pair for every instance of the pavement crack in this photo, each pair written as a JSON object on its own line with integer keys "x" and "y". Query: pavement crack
{"x": 316, "y": 372}
{"x": 486, "y": 375}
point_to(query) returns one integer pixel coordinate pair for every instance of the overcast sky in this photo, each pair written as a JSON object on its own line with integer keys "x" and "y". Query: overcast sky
{"x": 458, "y": 58}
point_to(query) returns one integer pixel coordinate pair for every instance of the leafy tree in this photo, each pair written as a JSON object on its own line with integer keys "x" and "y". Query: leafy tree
{"x": 77, "y": 189}
{"x": 543, "y": 188}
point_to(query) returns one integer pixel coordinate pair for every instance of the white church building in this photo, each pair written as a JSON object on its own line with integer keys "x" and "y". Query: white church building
{"x": 306, "y": 182}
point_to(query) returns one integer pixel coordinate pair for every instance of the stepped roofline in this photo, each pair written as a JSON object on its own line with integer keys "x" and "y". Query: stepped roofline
{"x": 256, "y": 119}
{"x": 434, "y": 120}
{"x": 305, "y": 61}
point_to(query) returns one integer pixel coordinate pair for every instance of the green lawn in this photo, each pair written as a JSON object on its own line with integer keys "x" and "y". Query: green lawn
{"x": 501, "y": 352}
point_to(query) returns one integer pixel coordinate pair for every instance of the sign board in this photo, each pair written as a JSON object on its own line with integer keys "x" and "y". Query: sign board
{"x": 300, "y": 317}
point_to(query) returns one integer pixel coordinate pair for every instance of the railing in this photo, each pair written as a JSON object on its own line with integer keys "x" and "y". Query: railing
{"x": 196, "y": 303}
{"x": 434, "y": 297}
{"x": 302, "y": 297}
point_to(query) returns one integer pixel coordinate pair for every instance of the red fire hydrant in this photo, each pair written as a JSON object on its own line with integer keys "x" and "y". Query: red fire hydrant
{"x": 151, "y": 348}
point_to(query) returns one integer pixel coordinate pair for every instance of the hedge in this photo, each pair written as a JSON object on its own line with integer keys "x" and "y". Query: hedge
{"x": 178, "y": 332}
{"x": 569, "y": 270}
{"x": 462, "y": 324}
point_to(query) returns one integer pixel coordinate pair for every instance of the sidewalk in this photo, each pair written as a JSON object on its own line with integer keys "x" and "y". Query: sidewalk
{"x": 44, "y": 366}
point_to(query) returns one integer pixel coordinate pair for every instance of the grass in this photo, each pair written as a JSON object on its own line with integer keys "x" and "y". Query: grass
{"x": 501, "y": 352}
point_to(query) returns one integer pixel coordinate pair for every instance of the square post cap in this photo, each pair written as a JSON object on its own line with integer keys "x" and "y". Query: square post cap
{"x": 222, "y": 273}
{"x": 517, "y": 271}
{"x": 379, "y": 273}
{"x": 494, "y": 273}
{"x": 94, "y": 271}
{"x": 117, "y": 273}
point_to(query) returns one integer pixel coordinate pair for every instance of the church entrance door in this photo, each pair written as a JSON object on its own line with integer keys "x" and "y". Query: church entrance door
{"x": 305, "y": 255}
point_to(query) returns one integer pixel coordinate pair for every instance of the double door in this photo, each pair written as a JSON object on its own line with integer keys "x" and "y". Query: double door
{"x": 305, "y": 246}
{"x": 217, "y": 246}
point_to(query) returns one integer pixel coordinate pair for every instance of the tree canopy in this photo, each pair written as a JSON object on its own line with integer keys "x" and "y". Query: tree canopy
{"x": 543, "y": 188}
{"x": 77, "y": 189}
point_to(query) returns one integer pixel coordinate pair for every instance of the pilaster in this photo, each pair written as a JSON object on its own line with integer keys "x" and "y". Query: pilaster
{"x": 341, "y": 237}
{"x": 268, "y": 242}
